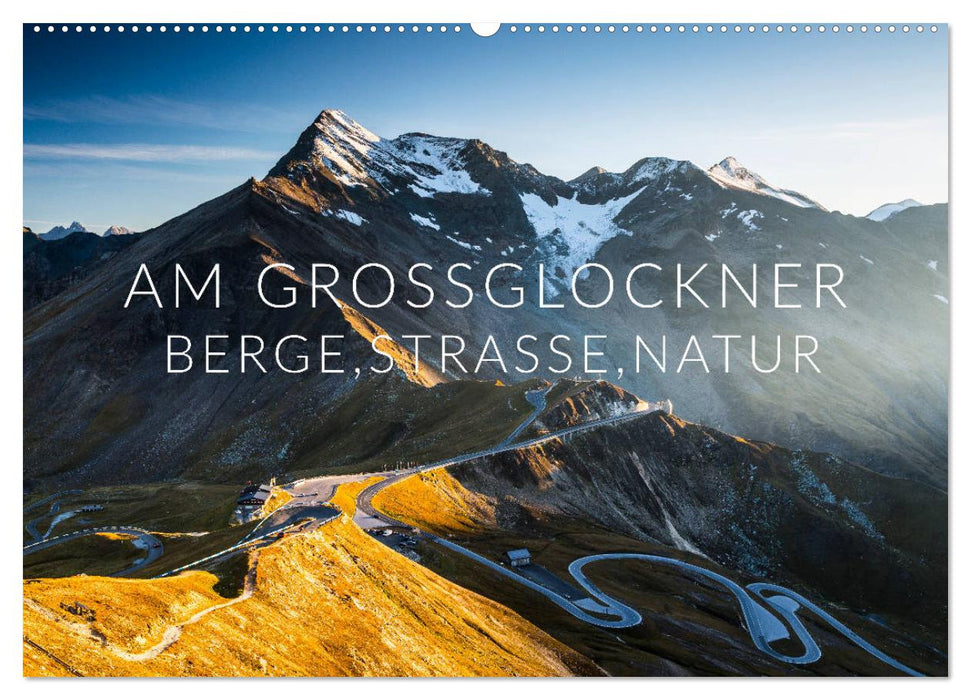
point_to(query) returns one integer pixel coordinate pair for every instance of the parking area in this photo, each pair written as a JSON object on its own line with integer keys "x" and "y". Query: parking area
{"x": 402, "y": 541}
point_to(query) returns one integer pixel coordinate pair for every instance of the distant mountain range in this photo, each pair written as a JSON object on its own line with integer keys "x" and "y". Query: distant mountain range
{"x": 346, "y": 196}
{"x": 59, "y": 232}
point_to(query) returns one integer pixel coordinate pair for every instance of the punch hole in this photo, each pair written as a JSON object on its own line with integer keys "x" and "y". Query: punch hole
{"x": 485, "y": 29}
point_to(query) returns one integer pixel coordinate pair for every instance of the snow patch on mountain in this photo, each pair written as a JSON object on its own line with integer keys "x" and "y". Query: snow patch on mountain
{"x": 577, "y": 230}
{"x": 435, "y": 164}
{"x": 749, "y": 217}
{"x": 463, "y": 244}
{"x": 350, "y": 217}
{"x": 885, "y": 211}
{"x": 425, "y": 221}
{"x": 731, "y": 174}
{"x": 653, "y": 168}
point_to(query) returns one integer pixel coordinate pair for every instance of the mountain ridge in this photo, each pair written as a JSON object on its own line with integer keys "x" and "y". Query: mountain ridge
{"x": 418, "y": 206}
{"x": 346, "y": 148}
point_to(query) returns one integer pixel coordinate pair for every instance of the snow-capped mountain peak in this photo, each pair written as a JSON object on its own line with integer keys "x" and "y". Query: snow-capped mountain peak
{"x": 336, "y": 120}
{"x": 117, "y": 231}
{"x": 655, "y": 167}
{"x": 731, "y": 174}
{"x": 355, "y": 156}
{"x": 343, "y": 146}
{"x": 59, "y": 232}
{"x": 885, "y": 211}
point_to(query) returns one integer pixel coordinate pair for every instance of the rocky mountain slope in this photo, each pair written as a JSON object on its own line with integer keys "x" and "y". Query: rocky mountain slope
{"x": 53, "y": 265}
{"x": 758, "y": 508}
{"x": 872, "y": 545}
{"x": 345, "y": 196}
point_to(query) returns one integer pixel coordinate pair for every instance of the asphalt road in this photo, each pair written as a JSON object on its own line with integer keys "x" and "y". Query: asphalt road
{"x": 52, "y": 512}
{"x": 626, "y": 616}
{"x": 47, "y": 499}
{"x": 796, "y": 599}
{"x": 369, "y": 518}
{"x": 144, "y": 540}
{"x": 537, "y": 398}
{"x": 762, "y": 625}
{"x": 267, "y": 537}
{"x": 290, "y": 514}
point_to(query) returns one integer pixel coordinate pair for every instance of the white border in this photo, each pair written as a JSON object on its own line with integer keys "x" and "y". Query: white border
{"x": 438, "y": 11}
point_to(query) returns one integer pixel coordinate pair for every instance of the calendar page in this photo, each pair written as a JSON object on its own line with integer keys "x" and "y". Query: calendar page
{"x": 613, "y": 349}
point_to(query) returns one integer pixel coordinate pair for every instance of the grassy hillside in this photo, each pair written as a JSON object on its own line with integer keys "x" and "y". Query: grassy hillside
{"x": 331, "y": 603}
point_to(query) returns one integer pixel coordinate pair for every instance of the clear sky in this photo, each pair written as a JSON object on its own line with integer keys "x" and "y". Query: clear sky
{"x": 132, "y": 129}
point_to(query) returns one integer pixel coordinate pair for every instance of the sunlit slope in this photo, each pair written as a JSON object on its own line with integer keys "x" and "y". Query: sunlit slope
{"x": 331, "y": 603}
{"x": 753, "y": 511}
{"x": 858, "y": 537}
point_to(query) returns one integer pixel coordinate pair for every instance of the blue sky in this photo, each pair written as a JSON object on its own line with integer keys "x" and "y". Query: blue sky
{"x": 132, "y": 129}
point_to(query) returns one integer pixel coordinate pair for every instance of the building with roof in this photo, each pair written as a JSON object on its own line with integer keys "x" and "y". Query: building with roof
{"x": 253, "y": 495}
{"x": 518, "y": 557}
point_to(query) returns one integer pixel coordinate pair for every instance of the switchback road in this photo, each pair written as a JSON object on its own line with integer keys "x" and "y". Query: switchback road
{"x": 762, "y": 625}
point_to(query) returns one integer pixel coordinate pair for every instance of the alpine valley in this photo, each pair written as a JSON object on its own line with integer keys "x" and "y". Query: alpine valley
{"x": 756, "y": 523}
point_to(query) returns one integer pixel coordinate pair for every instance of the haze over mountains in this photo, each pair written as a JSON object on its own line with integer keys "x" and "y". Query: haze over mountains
{"x": 346, "y": 196}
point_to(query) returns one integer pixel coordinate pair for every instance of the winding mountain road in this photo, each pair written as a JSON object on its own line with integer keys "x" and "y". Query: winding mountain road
{"x": 758, "y": 601}
{"x": 369, "y": 518}
{"x": 52, "y": 512}
{"x": 757, "y": 610}
{"x": 143, "y": 540}
{"x": 537, "y": 398}
{"x": 47, "y": 499}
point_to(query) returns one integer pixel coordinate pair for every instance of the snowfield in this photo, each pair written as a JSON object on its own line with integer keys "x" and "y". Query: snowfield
{"x": 581, "y": 228}
{"x": 435, "y": 164}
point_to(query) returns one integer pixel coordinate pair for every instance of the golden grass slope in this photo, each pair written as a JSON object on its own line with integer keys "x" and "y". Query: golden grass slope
{"x": 334, "y": 602}
{"x": 403, "y": 358}
{"x": 437, "y": 502}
